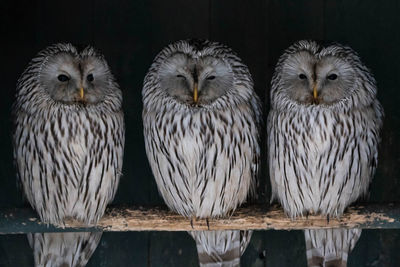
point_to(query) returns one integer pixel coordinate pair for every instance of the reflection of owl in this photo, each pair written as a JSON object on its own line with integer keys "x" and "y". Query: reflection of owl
{"x": 323, "y": 134}
{"x": 68, "y": 146}
{"x": 201, "y": 118}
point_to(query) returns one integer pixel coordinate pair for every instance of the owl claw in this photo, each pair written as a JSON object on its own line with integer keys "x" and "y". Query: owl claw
{"x": 191, "y": 222}
{"x": 327, "y": 218}
{"x": 208, "y": 224}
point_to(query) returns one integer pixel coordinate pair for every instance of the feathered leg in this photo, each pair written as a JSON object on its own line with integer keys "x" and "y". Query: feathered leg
{"x": 63, "y": 249}
{"x": 330, "y": 247}
{"x": 220, "y": 248}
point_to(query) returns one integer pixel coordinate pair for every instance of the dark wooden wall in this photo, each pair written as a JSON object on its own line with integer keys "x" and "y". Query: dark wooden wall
{"x": 130, "y": 34}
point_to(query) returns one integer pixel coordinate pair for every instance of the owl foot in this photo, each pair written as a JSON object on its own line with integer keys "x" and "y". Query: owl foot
{"x": 208, "y": 224}
{"x": 191, "y": 222}
{"x": 327, "y": 218}
{"x": 307, "y": 214}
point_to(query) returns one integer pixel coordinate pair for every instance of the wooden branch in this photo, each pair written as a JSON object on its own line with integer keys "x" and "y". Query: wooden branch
{"x": 256, "y": 217}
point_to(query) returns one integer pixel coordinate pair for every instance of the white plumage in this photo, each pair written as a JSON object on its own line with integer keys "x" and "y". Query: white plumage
{"x": 68, "y": 146}
{"x": 201, "y": 118}
{"x": 323, "y": 135}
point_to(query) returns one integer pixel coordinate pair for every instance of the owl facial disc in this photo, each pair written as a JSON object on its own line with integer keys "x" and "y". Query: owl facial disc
{"x": 194, "y": 80}
{"x": 72, "y": 78}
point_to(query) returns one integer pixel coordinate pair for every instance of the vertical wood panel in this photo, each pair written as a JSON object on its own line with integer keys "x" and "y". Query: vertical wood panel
{"x": 18, "y": 26}
{"x": 15, "y": 251}
{"x": 172, "y": 249}
{"x": 176, "y": 20}
{"x": 275, "y": 248}
{"x": 121, "y": 249}
{"x": 63, "y": 22}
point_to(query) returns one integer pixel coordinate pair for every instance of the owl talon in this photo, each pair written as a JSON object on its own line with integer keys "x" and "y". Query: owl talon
{"x": 327, "y": 218}
{"x": 191, "y": 222}
{"x": 208, "y": 224}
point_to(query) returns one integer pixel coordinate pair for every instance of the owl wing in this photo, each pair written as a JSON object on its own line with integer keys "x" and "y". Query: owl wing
{"x": 271, "y": 149}
{"x": 374, "y": 137}
{"x": 256, "y": 143}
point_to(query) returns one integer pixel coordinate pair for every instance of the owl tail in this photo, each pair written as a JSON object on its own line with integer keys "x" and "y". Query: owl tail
{"x": 330, "y": 247}
{"x": 63, "y": 249}
{"x": 220, "y": 248}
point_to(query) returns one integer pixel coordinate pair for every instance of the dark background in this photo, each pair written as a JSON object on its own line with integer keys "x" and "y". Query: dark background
{"x": 131, "y": 33}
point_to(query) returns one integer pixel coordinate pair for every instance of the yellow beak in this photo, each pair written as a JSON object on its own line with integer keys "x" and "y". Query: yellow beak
{"x": 315, "y": 91}
{"x": 81, "y": 93}
{"x": 195, "y": 93}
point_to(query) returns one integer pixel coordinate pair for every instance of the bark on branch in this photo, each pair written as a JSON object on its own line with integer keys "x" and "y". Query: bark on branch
{"x": 256, "y": 217}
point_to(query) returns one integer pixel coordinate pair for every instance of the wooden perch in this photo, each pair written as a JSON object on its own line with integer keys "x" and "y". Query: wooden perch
{"x": 256, "y": 217}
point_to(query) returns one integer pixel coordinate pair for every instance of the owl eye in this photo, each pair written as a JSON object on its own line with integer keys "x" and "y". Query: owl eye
{"x": 63, "y": 78}
{"x": 302, "y": 76}
{"x": 332, "y": 77}
{"x": 210, "y": 77}
{"x": 90, "y": 78}
{"x": 180, "y": 76}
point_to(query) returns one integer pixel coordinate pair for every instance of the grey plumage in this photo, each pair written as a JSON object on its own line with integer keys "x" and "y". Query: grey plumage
{"x": 63, "y": 249}
{"x": 68, "y": 146}
{"x": 323, "y": 135}
{"x": 201, "y": 118}
{"x": 330, "y": 247}
{"x": 220, "y": 248}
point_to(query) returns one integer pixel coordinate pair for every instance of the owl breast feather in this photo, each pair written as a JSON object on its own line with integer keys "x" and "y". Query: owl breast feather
{"x": 202, "y": 161}
{"x": 320, "y": 159}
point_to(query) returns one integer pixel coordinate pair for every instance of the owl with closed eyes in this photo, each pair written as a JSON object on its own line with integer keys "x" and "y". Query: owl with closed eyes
{"x": 323, "y": 134}
{"x": 201, "y": 118}
{"x": 68, "y": 147}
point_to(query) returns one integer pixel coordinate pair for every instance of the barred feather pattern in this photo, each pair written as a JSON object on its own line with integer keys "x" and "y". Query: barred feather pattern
{"x": 204, "y": 158}
{"x": 68, "y": 159}
{"x": 63, "y": 249}
{"x": 322, "y": 157}
{"x": 221, "y": 248}
{"x": 330, "y": 247}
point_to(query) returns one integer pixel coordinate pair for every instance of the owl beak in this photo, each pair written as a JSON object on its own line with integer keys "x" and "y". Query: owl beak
{"x": 81, "y": 93}
{"x": 195, "y": 92}
{"x": 315, "y": 91}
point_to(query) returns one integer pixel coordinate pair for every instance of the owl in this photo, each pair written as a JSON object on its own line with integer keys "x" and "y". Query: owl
{"x": 201, "y": 118}
{"x": 68, "y": 147}
{"x": 323, "y": 134}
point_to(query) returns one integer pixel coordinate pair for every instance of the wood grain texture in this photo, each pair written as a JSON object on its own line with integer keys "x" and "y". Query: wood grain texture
{"x": 121, "y": 219}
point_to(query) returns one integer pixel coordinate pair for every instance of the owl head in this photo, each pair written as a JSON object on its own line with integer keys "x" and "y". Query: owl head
{"x": 197, "y": 72}
{"x": 312, "y": 74}
{"x": 71, "y": 77}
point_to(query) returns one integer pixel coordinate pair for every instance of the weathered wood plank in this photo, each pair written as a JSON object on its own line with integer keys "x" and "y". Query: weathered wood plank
{"x": 386, "y": 216}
